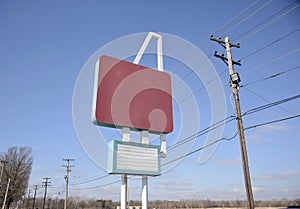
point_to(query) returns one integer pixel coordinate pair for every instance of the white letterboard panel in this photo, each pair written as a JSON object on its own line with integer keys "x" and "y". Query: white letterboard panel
{"x": 133, "y": 158}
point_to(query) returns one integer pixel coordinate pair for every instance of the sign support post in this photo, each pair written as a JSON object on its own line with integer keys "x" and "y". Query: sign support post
{"x": 144, "y": 135}
{"x": 126, "y": 138}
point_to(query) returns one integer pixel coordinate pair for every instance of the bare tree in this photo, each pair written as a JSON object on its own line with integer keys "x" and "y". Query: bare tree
{"x": 18, "y": 163}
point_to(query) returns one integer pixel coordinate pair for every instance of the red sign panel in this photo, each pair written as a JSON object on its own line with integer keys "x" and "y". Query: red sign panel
{"x": 131, "y": 95}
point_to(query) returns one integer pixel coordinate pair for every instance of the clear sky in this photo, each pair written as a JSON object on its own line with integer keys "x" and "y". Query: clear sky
{"x": 44, "y": 46}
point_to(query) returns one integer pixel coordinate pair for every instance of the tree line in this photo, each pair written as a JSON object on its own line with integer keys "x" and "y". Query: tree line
{"x": 78, "y": 203}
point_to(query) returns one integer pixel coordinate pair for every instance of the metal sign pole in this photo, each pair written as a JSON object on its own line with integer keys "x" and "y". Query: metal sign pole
{"x": 144, "y": 135}
{"x": 126, "y": 138}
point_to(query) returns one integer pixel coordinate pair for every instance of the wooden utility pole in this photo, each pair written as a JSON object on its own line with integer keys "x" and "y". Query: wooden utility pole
{"x": 5, "y": 197}
{"x": 68, "y": 170}
{"x": 3, "y": 162}
{"x": 234, "y": 80}
{"x": 45, "y": 184}
{"x": 33, "y": 204}
{"x": 28, "y": 198}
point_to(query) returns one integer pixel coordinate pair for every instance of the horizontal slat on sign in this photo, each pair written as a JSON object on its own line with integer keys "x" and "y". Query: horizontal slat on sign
{"x": 136, "y": 158}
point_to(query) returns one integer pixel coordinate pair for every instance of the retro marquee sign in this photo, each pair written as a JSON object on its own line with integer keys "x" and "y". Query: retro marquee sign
{"x": 132, "y": 95}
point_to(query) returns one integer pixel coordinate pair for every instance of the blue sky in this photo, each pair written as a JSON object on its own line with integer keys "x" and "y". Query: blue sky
{"x": 45, "y": 44}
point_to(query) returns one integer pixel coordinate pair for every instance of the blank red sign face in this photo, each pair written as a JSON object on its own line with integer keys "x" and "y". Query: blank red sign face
{"x": 131, "y": 95}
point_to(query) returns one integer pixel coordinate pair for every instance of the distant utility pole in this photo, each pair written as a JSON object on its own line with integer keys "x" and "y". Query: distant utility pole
{"x": 5, "y": 197}
{"x": 68, "y": 170}
{"x": 3, "y": 162}
{"x": 33, "y": 204}
{"x": 45, "y": 184}
{"x": 234, "y": 80}
{"x": 28, "y": 199}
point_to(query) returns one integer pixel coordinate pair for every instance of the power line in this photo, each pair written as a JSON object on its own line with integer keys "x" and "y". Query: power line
{"x": 96, "y": 187}
{"x": 228, "y": 139}
{"x": 91, "y": 180}
{"x": 229, "y": 119}
{"x": 253, "y": 13}
{"x": 202, "y": 87}
{"x": 88, "y": 178}
{"x": 270, "y": 44}
{"x": 188, "y": 74}
{"x": 273, "y": 121}
{"x": 261, "y": 97}
{"x": 60, "y": 191}
{"x": 233, "y": 18}
{"x": 266, "y": 106}
{"x": 270, "y": 77}
{"x": 273, "y": 60}
{"x": 199, "y": 149}
{"x": 270, "y": 23}
{"x": 265, "y": 20}
{"x": 202, "y": 132}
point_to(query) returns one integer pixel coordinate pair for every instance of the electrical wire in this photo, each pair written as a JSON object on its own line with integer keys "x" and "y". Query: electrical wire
{"x": 96, "y": 187}
{"x": 270, "y": 23}
{"x": 199, "y": 149}
{"x": 203, "y": 86}
{"x": 266, "y": 106}
{"x": 270, "y": 77}
{"x": 233, "y": 18}
{"x": 202, "y": 132}
{"x": 60, "y": 191}
{"x": 266, "y": 100}
{"x": 253, "y": 13}
{"x": 188, "y": 74}
{"x": 270, "y": 44}
{"x": 91, "y": 180}
{"x": 273, "y": 121}
{"x": 228, "y": 139}
{"x": 262, "y": 22}
{"x": 274, "y": 60}
{"x": 231, "y": 118}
